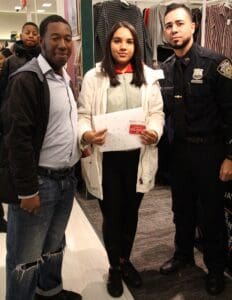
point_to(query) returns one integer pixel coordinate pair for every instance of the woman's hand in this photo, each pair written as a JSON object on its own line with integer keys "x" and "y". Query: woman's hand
{"x": 95, "y": 137}
{"x": 149, "y": 137}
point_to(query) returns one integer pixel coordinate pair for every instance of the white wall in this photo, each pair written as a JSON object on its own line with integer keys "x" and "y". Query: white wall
{"x": 13, "y": 21}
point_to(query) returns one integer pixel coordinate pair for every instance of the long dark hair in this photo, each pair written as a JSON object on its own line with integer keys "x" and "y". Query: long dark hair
{"x": 108, "y": 63}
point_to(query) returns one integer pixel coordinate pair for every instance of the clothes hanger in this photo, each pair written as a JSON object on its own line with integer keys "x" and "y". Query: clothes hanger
{"x": 228, "y": 4}
{"x": 125, "y": 2}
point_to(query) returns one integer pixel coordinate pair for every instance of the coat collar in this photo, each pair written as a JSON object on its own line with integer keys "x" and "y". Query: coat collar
{"x": 151, "y": 75}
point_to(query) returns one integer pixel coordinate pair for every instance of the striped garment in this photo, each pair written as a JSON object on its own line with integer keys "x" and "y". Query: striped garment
{"x": 218, "y": 29}
{"x": 107, "y": 14}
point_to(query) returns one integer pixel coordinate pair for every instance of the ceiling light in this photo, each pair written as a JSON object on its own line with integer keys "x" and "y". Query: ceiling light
{"x": 40, "y": 10}
{"x": 47, "y": 5}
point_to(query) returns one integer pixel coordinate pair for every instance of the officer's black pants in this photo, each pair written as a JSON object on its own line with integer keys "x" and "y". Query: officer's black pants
{"x": 197, "y": 193}
{"x": 120, "y": 203}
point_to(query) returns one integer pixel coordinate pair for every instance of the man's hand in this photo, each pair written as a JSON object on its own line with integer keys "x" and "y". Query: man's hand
{"x": 226, "y": 170}
{"x": 31, "y": 205}
{"x": 95, "y": 137}
{"x": 149, "y": 137}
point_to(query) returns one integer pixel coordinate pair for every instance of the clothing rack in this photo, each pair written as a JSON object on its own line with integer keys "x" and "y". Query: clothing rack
{"x": 204, "y": 5}
{"x": 212, "y": 2}
{"x": 203, "y": 19}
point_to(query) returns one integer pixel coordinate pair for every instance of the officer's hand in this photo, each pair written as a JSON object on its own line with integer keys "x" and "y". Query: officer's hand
{"x": 95, "y": 137}
{"x": 31, "y": 205}
{"x": 149, "y": 137}
{"x": 226, "y": 170}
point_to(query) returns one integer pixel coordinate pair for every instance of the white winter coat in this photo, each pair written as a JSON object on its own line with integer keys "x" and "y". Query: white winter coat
{"x": 93, "y": 101}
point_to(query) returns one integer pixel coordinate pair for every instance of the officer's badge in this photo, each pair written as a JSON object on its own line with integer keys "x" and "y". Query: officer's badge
{"x": 225, "y": 68}
{"x": 197, "y": 75}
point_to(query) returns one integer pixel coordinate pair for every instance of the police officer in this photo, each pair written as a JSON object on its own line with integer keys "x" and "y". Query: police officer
{"x": 197, "y": 93}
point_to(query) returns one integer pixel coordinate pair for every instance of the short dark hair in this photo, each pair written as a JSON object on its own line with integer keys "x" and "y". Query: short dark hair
{"x": 6, "y": 52}
{"x": 51, "y": 19}
{"x": 32, "y": 24}
{"x": 174, "y": 6}
{"x": 108, "y": 63}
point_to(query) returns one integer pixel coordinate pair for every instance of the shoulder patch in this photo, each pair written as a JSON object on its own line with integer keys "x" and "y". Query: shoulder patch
{"x": 225, "y": 68}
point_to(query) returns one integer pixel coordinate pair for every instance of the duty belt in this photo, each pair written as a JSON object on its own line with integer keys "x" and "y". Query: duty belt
{"x": 55, "y": 174}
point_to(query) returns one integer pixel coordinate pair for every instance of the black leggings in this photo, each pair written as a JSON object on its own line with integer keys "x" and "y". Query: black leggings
{"x": 120, "y": 203}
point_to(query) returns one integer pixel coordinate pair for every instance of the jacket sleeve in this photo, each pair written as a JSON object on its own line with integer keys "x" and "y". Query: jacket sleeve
{"x": 155, "y": 110}
{"x": 20, "y": 111}
{"x": 224, "y": 98}
{"x": 4, "y": 80}
{"x": 85, "y": 105}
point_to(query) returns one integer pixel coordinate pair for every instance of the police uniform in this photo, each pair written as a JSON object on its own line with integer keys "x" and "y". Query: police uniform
{"x": 197, "y": 92}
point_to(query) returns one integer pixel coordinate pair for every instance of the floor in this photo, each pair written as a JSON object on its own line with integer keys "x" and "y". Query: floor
{"x": 85, "y": 263}
{"x": 153, "y": 245}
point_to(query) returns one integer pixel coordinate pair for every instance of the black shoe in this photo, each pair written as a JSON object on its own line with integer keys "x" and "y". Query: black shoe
{"x": 63, "y": 295}
{"x": 3, "y": 225}
{"x": 174, "y": 264}
{"x": 215, "y": 283}
{"x": 130, "y": 275}
{"x": 114, "y": 283}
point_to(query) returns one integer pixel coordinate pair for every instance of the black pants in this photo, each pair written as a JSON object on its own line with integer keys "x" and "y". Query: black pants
{"x": 197, "y": 194}
{"x": 1, "y": 211}
{"x": 120, "y": 203}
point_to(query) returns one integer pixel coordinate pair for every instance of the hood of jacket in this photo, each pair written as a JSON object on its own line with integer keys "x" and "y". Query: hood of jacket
{"x": 28, "y": 52}
{"x": 31, "y": 66}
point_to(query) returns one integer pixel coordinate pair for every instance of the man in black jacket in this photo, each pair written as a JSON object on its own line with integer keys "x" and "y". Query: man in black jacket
{"x": 40, "y": 135}
{"x": 23, "y": 51}
{"x": 198, "y": 105}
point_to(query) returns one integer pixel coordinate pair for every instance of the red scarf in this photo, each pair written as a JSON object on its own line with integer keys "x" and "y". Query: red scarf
{"x": 129, "y": 69}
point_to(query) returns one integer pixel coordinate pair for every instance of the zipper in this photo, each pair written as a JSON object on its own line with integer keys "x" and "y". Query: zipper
{"x": 126, "y": 92}
{"x": 142, "y": 169}
{"x": 70, "y": 116}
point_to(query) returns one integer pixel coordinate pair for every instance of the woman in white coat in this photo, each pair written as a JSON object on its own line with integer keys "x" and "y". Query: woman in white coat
{"x": 119, "y": 179}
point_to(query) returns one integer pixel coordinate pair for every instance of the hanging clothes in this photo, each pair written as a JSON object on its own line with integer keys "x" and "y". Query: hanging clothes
{"x": 146, "y": 13}
{"x": 106, "y": 14}
{"x": 197, "y": 16}
{"x": 155, "y": 29}
{"x": 218, "y": 29}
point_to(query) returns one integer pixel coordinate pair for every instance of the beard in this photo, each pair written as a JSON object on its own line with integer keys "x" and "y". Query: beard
{"x": 182, "y": 45}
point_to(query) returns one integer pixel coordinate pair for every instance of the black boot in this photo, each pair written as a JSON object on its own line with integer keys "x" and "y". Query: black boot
{"x": 3, "y": 225}
{"x": 130, "y": 275}
{"x": 114, "y": 283}
{"x": 215, "y": 283}
{"x": 63, "y": 295}
{"x": 174, "y": 265}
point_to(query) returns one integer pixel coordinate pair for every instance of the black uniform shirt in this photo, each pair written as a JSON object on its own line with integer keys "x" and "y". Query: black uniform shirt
{"x": 205, "y": 109}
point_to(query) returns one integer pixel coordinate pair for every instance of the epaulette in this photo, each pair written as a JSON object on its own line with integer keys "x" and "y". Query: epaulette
{"x": 211, "y": 54}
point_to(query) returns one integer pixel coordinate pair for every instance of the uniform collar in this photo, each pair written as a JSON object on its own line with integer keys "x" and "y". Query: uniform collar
{"x": 185, "y": 60}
